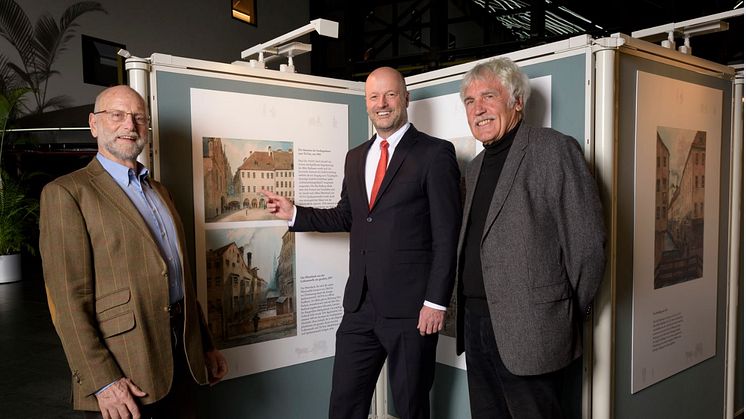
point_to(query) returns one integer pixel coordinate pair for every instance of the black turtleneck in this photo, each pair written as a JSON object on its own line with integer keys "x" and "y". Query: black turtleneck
{"x": 473, "y": 283}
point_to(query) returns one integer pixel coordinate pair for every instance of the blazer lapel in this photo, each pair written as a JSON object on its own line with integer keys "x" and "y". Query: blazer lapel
{"x": 174, "y": 214}
{"x": 406, "y": 143}
{"x": 471, "y": 185}
{"x": 358, "y": 162}
{"x": 507, "y": 176}
{"x": 104, "y": 183}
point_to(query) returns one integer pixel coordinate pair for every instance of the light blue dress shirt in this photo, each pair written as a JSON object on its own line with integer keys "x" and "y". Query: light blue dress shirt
{"x": 155, "y": 214}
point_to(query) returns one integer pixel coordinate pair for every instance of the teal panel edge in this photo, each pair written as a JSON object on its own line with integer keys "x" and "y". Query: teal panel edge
{"x": 307, "y": 385}
{"x": 697, "y": 392}
{"x": 739, "y": 390}
{"x": 297, "y": 392}
{"x": 450, "y": 398}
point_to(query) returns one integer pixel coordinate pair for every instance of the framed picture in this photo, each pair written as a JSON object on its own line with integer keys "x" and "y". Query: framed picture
{"x": 677, "y": 167}
{"x": 273, "y": 297}
{"x": 101, "y": 64}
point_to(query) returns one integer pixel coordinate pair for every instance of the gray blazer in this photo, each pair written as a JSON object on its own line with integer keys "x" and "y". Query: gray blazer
{"x": 542, "y": 250}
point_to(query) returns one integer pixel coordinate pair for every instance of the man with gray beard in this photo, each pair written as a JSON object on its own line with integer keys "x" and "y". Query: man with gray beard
{"x": 119, "y": 290}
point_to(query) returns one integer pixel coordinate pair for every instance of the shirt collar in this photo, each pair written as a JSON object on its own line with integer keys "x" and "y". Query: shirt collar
{"x": 505, "y": 141}
{"x": 121, "y": 173}
{"x": 394, "y": 138}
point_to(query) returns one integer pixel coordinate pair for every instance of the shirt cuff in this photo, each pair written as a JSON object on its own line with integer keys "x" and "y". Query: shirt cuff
{"x": 292, "y": 220}
{"x": 435, "y": 306}
{"x": 105, "y": 387}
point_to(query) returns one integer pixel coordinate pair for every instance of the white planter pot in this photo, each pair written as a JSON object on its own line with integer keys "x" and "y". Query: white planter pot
{"x": 10, "y": 268}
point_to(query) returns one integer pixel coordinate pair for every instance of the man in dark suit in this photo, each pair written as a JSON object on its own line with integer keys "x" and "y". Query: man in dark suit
{"x": 531, "y": 251}
{"x": 400, "y": 202}
{"x": 119, "y": 290}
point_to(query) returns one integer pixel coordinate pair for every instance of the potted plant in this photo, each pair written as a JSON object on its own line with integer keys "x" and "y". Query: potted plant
{"x": 37, "y": 46}
{"x": 18, "y": 215}
{"x": 18, "y": 212}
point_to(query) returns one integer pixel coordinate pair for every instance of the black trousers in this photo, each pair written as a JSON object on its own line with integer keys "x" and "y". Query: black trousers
{"x": 364, "y": 341}
{"x": 496, "y": 393}
{"x": 181, "y": 400}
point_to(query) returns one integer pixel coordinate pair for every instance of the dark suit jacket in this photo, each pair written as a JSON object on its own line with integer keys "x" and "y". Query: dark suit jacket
{"x": 406, "y": 244}
{"x": 107, "y": 287}
{"x": 542, "y": 250}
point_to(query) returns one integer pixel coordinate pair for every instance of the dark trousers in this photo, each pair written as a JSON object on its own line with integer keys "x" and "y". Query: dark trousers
{"x": 364, "y": 340}
{"x": 494, "y": 392}
{"x": 181, "y": 400}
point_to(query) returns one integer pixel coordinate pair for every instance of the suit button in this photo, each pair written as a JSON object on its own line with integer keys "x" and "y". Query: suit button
{"x": 165, "y": 274}
{"x": 362, "y": 252}
{"x": 165, "y": 308}
{"x": 369, "y": 219}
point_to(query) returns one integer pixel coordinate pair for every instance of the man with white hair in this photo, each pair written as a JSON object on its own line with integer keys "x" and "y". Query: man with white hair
{"x": 530, "y": 254}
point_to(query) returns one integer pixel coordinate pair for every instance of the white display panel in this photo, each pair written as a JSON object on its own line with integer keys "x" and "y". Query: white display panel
{"x": 677, "y": 155}
{"x": 282, "y": 301}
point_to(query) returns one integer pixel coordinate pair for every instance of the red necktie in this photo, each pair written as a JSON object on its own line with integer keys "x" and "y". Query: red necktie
{"x": 380, "y": 171}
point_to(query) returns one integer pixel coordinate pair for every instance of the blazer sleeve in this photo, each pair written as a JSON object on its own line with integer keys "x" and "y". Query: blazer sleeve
{"x": 67, "y": 262}
{"x": 444, "y": 195}
{"x": 580, "y": 223}
{"x": 326, "y": 220}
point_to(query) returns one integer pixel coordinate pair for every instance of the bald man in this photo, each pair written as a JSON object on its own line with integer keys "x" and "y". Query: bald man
{"x": 400, "y": 202}
{"x": 119, "y": 290}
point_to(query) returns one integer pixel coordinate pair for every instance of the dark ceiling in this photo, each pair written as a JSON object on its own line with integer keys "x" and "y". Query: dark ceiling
{"x": 420, "y": 35}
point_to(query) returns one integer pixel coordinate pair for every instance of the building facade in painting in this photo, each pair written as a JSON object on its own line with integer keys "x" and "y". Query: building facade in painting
{"x": 270, "y": 170}
{"x": 218, "y": 175}
{"x": 235, "y": 292}
{"x": 662, "y": 160}
{"x": 284, "y": 174}
{"x": 285, "y": 272}
{"x": 679, "y": 247}
{"x": 686, "y": 215}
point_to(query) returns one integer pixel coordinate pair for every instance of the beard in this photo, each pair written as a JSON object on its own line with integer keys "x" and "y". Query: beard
{"x": 125, "y": 151}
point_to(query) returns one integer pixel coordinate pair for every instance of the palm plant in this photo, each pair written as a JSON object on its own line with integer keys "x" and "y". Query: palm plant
{"x": 18, "y": 212}
{"x": 38, "y": 47}
{"x": 11, "y": 95}
{"x": 18, "y": 215}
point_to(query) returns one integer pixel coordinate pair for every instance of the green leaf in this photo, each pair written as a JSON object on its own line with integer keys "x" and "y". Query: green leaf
{"x": 38, "y": 47}
{"x": 15, "y": 26}
{"x": 18, "y": 217}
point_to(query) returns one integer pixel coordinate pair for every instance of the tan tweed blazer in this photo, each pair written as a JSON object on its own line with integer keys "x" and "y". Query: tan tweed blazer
{"x": 107, "y": 287}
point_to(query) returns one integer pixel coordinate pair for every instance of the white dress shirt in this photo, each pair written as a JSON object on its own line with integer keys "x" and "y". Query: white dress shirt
{"x": 371, "y": 163}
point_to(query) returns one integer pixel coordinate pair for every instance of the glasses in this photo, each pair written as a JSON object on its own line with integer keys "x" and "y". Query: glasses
{"x": 118, "y": 116}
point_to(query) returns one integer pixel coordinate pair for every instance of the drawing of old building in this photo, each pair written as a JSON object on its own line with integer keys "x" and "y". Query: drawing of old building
{"x": 686, "y": 214}
{"x": 235, "y": 291}
{"x": 285, "y": 271}
{"x": 284, "y": 176}
{"x": 683, "y": 245}
{"x": 218, "y": 175}
{"x": 264, "y": 170}
{"x": 661, "y": 196}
